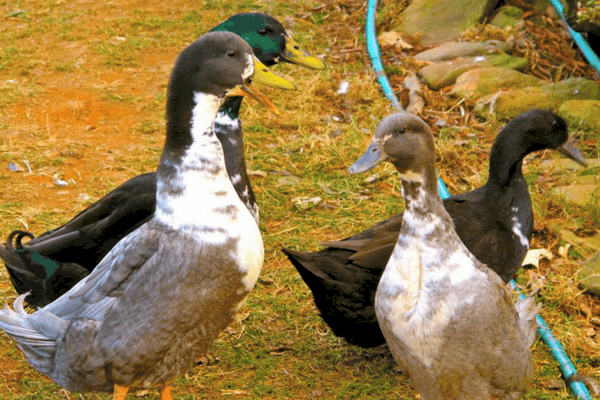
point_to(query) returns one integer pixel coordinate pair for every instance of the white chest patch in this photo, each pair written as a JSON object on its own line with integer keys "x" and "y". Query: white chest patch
{"x": 517, "y": 228}
{"x": 205, "y": 205}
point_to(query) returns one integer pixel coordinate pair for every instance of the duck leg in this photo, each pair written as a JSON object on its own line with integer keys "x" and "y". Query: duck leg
{"x": 165, "y": 393}
{"x": 120, "y": 392}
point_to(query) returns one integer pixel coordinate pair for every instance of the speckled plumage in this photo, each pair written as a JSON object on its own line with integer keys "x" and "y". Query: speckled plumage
{"x": 162, "y": 295}
{"x": 447, "y": 318}
{"x": 494, "y": 221}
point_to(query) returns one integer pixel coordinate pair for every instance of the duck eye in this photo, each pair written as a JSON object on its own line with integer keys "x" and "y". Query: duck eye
{"x": 263, "y": 31}
{"x": 230, "y": 53}
{"x": 401, "y": 130}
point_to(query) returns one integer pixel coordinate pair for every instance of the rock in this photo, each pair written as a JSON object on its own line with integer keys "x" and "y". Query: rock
{"x": 439, "y": 75}
{"x": 578, "y": 194}
{"x": 479, "y": 82}
{"x": 581, "y": 113}
{"x": 589, "y": 276}
{"x": 512, "y": 102}
{"x": 507, "y": 16}
{"x": 450, "y": 50}
{"x": 559, "y": 164}
{"x": 440, "y": 20}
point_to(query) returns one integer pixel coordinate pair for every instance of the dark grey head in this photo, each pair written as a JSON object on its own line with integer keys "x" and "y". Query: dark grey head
{"x": 403, "y": 139}
{"x": 214, "y": 64}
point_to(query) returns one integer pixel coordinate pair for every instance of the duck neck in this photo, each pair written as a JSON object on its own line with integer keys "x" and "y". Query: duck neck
{"x": 228, "y": 129}
{"x": 194, "y": 192}
{"x": 506, "y": 162}
{"x": 421, "y": 195}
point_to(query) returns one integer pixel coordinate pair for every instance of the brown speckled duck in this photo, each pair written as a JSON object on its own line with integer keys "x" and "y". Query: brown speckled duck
{"x": 494, "y": 221}
{"x": 162, "y": 295}
{"x": 449, "y": 320}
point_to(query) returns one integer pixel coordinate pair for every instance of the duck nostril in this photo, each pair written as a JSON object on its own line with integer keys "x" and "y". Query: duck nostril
{"x": 297, "y": 47}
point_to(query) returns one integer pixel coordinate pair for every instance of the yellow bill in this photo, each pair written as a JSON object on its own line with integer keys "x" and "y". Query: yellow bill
{"x": 295, "y": 55}
{"x": 263, "y": 75}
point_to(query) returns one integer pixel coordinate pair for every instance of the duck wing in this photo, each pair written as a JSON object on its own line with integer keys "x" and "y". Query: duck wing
{"x": 92, "y": 233}
{"x": 95, "y": 293}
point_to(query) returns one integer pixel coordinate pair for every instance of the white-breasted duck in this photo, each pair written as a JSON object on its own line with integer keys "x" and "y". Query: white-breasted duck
{"x": 449, "y": 320}
{"x": 161, "y": 296}
{"x": 495, "y": 222}
{"x": 55, "y": 261}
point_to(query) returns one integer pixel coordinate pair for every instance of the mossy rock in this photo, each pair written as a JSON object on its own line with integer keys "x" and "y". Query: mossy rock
{"x": 440, "y": 20}
{"x": 449, "y": 50}
{"x": 442, "y": 74}
{"x": 507, "y": 16}
{"x": 589, "y": 276}
{"x": 584, "y": 113}
{"x": 479, "y": 82}
{"x": 512, "y": 102}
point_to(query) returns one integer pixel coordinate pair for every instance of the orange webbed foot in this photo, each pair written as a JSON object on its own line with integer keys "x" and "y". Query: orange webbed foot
{"x": 120, "y": 392}
{"x": 165, "y": 393}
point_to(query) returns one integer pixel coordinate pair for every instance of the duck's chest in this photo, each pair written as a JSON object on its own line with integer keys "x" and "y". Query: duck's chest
{"x": 424, "y": 286}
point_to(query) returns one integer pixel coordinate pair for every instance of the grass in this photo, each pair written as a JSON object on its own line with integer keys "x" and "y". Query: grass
{"x": 90, "y": 106}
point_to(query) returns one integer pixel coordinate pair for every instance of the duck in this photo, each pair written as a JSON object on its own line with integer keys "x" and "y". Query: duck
{"x": 494, "y": 221}
{"x": 448, "y": 319}
{"x": 162, "y": 295}
{"x": 52, "y": 263}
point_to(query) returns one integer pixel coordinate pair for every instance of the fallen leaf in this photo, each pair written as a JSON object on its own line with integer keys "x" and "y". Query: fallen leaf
{"x": 393, "y": 39}
{"x": 304, "y": 203}
{"x": 563, "y": 251}
{"x": 534, "y": 256}
{"x": 12, "y": 166}
{"x": 59, "y": 182}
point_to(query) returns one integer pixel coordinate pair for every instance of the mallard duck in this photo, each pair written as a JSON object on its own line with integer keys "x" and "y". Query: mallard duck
{"x": 495, "y": 222}
{"x": 449, "y": 320}
{"x": 52, "y": 263}
{"x": 161, "y": 296}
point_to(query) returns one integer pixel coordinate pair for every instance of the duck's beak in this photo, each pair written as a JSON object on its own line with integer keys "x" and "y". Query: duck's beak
{"x": 263, "y": 75}
{"x": 368, "y": 160}
{"x": 569, "y": 150}
{"x": 295, "y": 55}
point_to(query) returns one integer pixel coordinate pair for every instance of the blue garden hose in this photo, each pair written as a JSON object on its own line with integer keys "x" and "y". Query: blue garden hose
{"x": 564, "y": 362}
{"x": 585, "y": 48}
{"x": 375, "y": 54}
{"x": 566, "y": 366}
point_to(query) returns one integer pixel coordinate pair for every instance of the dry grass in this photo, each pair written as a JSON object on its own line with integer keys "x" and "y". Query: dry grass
{"x": 82, "y": 95}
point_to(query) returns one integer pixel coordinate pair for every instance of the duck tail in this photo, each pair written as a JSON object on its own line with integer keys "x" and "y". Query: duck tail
{"x": 36, "y": 334}
{"x": 18, "y": 261}
{"x": 527, "y": 310}
{"x": 30, "y": 272}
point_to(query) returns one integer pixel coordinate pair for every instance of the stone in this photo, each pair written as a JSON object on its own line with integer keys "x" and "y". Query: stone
{"x": 560, "y": 164}
{"x": 581, "y": 195}
{"x": 450, "y": 50}
{"x": 439, "y": 75}
{"x": 512, "y": 102}
{"x": 507, "y": 16}
{"x": 440, "y": 20}
{"x": 584, "y": 113}
{"x": 589, "y": 276}
{"x": 479, "y": 82}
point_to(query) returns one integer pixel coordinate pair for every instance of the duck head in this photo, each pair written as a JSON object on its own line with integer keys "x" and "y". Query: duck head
{"x": 542, "y": 130}
{"x": 215, "y": 66}
{"x": 403, "y": 139}
{"x": 269, "y": 40}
